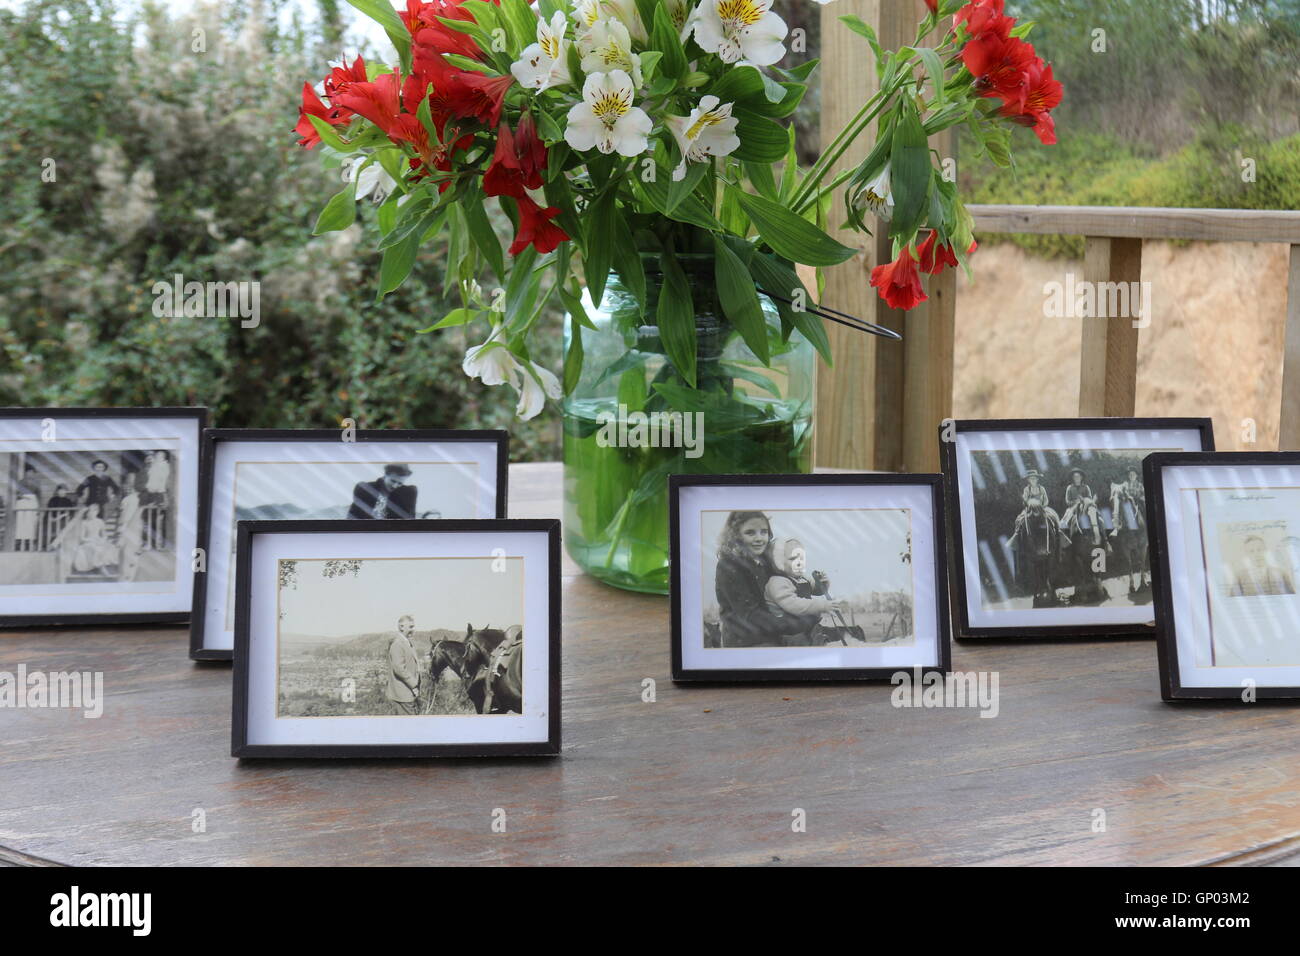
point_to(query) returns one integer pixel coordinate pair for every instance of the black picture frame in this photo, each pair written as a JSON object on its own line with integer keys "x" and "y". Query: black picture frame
{"x": 242, "y": 749}
{"x": 199, "y": 415}
{"x": 948, "y": 431}
{"x": 207, "y": 464}
{"x": 1171, "y": 686}
{"x": 934, "y": 483}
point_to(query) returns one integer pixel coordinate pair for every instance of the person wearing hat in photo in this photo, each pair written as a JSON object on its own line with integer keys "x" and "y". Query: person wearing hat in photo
{"x": 1079, "y": 500}
{"x": 1034, "y": 492}
{"x": 387, "y": 497}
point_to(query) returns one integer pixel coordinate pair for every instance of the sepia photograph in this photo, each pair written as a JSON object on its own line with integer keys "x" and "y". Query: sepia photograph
{"x": 807, "y": 578}
{"x": 414, "y": 637}
{"x": 1061, "y": 528}
{"x": 94, "y": 516}
{"x": 304, "y": 475}
{"x": 1226, "y": 574}
{"x": 1049, "y": 525}
{"x": 831, "y": 577}
{"x": 379, "y": 637}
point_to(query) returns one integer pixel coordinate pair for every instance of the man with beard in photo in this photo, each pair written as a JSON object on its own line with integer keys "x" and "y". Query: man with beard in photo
{"x": 386, "y": 497}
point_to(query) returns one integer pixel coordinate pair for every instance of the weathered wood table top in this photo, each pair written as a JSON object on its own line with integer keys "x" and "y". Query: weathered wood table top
{"x": 705, "y": 774}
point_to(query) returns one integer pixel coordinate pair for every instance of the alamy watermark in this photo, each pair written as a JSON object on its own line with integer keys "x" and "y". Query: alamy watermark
{"x": 209, "y": 300}
{"x": 71, "y": 690}
{"x": 1077, "y": 298}
{"x": 977, "y": 689}
{"x": 624, "y": 429}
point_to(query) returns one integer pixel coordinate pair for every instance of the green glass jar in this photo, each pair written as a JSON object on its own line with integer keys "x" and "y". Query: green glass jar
{"x": 632, "y": 420}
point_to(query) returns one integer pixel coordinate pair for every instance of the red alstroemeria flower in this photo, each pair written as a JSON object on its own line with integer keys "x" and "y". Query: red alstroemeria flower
{"x": 518, "y": 161}
{"x": 342, "y": 77}
{"x": 933, "y": 5}
{"x": 933, "y": 256}
{"x": 430, "y": 37}
{"x": 466, "y": 94}
{"x": 1000, "y": 66}
{"x": 899, "y": 282}
{"x": 985, "y": 16}
{"x": 536, "y": 228}
{"x": 1043, "y": 94}
{"x": 376, "y": 100}
{"x": 312, "y": 106}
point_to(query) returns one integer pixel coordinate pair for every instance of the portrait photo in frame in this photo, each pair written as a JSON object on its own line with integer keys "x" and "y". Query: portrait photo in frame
{"x": 1047, "y": 529}
{"x": 406, "y": 638}
{"x": 322, "y": 474}
{"x": 807, "y": 577}
{"x": 100, "y": 515}
{"x": 1226, "y": 563}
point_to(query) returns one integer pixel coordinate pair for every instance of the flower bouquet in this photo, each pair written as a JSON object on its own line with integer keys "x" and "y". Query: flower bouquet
{"x": 642, "y": 161}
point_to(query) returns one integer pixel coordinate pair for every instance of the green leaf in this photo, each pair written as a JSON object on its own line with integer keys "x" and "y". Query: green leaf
{"x": 330, "y": 137}
{"x": 861, "y": 29}
{"x": 762, "y": 178}
{"x": 485, "y": 239}
{"x": 676, "y": 318}
{"x": 934, "y": 66}
{"x": 791, "y": 236}
{"x": 910, "y": 173}
{"x": 663, "y": 37}
{"x": 410, "y": 221}
{"x": 739, "y": 299}
{"x": 396, "y": 265}
{"x": 680, "y": 189}
{"x": 761, "y": 139}
{"x": 382, "y": 12}
{"x": 781, "y": 280}
{"x": 573, "y": 360}
{"x": 339, "y": 213}
{"x": 453, "y": 318}
{"x": 627, "y": 262}
{"x": 573, "y": 306}
{"x": 599, "y": 247}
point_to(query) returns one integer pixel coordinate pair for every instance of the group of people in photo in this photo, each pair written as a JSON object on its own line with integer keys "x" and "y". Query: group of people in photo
{"x": 102, "y": 525}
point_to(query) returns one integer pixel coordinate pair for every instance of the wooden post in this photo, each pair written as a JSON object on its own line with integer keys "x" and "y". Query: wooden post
{"x": 1108, "y": 364}
{"x": 870, "y": 415}
{"x": 1288, "y": 432}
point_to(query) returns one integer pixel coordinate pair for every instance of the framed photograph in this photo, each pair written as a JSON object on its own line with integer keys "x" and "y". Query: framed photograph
{"x": 807, "y": 577}
{"x": 99, "y": 515}
{"x": 1048, "y": 534}
{"x": 319, "y": 474}
{"x": 1225, "y": 543}
{"x": 410, "y": 638}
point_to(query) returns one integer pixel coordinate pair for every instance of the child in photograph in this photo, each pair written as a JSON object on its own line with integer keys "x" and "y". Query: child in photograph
{"x": 1034, "y": 493}
{"x": 1080, "y": 502}
{"x": 792, "y": 595}
{"x": 98, "y": 487}
{"x": 129, "y": 529}
{"x": 92, "y": 549}
{"x": 58, "y": 513}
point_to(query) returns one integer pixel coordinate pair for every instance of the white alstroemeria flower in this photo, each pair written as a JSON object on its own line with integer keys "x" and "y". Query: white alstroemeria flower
{"x": 608, "y": 46}
{"x": 878, "y": 196}
{"x": 492, "y": 362}
{"x": 740, "y": 29}
{"x": 371, "y": 180}
{"x": 710, "y": 130}
{"x": 537, "y": 383}
{"x": 545, "y": 63}
{"x": 587, "y": 12}
{"x": 682, "y": 13}
{"x": 606, "y": 117}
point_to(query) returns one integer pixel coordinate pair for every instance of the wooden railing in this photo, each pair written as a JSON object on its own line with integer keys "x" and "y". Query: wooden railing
{"x": 881, "y": 405}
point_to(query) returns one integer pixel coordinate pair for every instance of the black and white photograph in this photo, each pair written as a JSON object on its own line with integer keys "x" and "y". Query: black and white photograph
{"x": 412, "y": 638}
{"x": 1050, "y": 522}
{"x": 1226, "y": 573}
{"x": 318, "y": 475}
{"x": 812, "y": 576}
{"x": 97, "y": 513}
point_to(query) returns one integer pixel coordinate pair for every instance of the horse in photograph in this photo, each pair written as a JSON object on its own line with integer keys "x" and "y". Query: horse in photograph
{"x": 1086, "y": 537}
{"x": 1038, "y": 546}
{"x": 487, "y": 682}
{"x": 1129, "y": 537}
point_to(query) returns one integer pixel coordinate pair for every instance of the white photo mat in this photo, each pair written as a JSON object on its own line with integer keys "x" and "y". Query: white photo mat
{"x": 265, "y": 728}
{"x": 695, "y": 500}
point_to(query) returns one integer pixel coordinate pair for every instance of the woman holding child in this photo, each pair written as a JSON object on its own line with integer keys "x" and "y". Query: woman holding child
{"x": 764, "y": 597}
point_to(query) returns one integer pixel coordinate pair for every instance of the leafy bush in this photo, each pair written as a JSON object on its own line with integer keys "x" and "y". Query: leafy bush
{"x": 166, "y": 160}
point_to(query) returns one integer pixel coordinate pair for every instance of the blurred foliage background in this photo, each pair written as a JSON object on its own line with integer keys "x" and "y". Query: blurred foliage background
{"x": 1161, "y": 109}
{"x": 171, "y": 160}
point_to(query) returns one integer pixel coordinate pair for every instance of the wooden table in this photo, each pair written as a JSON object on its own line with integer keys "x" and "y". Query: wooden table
{"x": 703, "y": 775}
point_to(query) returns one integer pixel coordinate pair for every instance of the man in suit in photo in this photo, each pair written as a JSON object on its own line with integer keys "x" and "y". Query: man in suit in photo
{"x": 386, "y": 497}
{"x": 403, "y": 690}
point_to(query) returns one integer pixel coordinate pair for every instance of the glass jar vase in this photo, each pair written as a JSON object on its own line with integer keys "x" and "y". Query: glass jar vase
{"x": 632, "y": 420}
